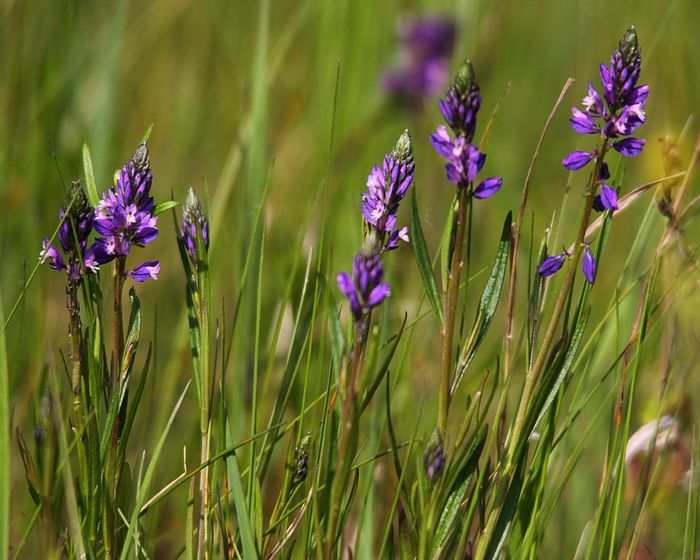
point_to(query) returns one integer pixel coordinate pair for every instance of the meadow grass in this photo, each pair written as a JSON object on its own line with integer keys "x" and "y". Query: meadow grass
{"x": 239, "y": 406}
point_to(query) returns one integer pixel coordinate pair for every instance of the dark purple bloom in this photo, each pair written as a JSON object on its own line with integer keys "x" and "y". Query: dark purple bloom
{"x": 301, "y": 459}
{"x": 73, "y": 238}
{"x": 462, "y": 102}
{"x": 577, "y": 159}
{"x": 365, "y": 289}
{"x": 124, "y": 217}
{"x": 149, "y": 269}
{"x": 629, "y": 146}
{"x": 426, "y": 46}
{"x": 488, "y": 187}
{"x": 583, "y": 122}
{"x": 193, "y": 219}
{"x": 606, "y": 200}
{"x": 386, "y": 188}
{"x": 551, "y": 265}
{"x": 588, "y": 265}
{"x": 434, "y": 458}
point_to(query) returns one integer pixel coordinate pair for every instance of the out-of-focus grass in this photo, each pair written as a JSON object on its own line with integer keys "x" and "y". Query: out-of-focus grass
{"x": 103, "y": 72}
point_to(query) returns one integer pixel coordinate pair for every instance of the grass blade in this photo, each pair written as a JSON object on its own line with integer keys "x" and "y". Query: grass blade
{"x": 423, "y": 261}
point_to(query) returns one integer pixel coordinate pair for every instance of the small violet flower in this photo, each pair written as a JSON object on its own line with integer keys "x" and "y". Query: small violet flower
{"x": 619, "y": 111}
{"x": 426, "y": 47}
{"x": 194, "y": 219}
{"x": 386, "y": 187}
{"x": 124, "y": 217}
{"x": 365, "y": 289}
{"x": 588, "y": 265}
{"x": 464, "y": 160}
{"x": 73, "y": 238}
{"x": 552, "y": 264}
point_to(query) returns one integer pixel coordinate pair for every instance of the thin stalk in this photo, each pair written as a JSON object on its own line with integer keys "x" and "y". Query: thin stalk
{"x": 534, "y": 373}
{"x": 347, "y": 444}
{"x": 450, "y": 308}
{"x": 205, "y": 393}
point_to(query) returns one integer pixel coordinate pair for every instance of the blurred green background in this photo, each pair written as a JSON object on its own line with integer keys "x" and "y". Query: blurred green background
{"x": 237, "y": 90}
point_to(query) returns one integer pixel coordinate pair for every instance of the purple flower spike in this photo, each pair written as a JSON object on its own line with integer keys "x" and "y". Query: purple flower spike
{"x": 630, "y": 146}
{"x": 124, "y": 216}
{"x": 488, "y": 187}
{"x": 551, "y": 265}
{"x": 50, "y": 253}
{"x": 386, "y": 188}
{"x": 577, "y": 159}
{"x": 194, "y": 219}
{"x": 462, "y": 103}
{"x": 365, "y": 290}
{"x": 588, "y": 265}
{"x": 149, "y": 269}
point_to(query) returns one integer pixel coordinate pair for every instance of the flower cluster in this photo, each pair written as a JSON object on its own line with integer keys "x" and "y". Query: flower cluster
{"x": 124, "y": 217}
{"x": 301, "y": 459}
{"x": 73, "y": 236}
{"x": 619, "y": 111}
{"x": 426, "y": 47}
{"x": 386, "y": 187}
{"x": 464, "y": 159}
{"x": 193, "y": 218}
{"x": 614, "y": 116}
{"x": 365, "y": 289}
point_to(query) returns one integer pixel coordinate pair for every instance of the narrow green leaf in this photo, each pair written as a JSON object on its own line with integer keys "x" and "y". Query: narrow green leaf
{"x": 487, "y": 305}
{"x": 239, "y": 501}
{"x": 165, "y": 206}
{"x": 5, "y": 459}
{"x": 505, "y": 518}
{"x": 90, "y": 184}
{"x": 147, "y": 135}
{"x": 423, "y": 261}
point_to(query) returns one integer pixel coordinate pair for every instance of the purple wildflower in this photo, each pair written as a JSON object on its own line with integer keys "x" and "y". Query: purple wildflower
{"x": 194, "y": 219}
{"x": 620, "y": 110}
{"x": 426, "y": 46}
{"x": 551, "y": 265}
{"x": 73, "y": 237}
{"x": 434, "y": 458}
{"x": 149, "y": 269}
{"x": 464, "y": 159}
{"x": 124, "y": 217}
{"x": 588, "y": 265}
{"x": 386, "y": 188}
{"x": 365, "y": 289}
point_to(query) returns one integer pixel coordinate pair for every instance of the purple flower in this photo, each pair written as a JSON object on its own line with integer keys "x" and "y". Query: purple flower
{"x": 365, "y": 289}
{"x": 193, "y": 219}
{"x": 124, "y": 217}
{"x": 464, "y": 159}
{"x": 606, "y": 200}
{"x": 434, "y": 457}
{"x": 621, "y": 106}
{"x": 386, "y": 188}
{"x": 73, "y": 238}
{"x": 551, "y": 265}
{"x": 462, "y": 102}
{"x": 577, "y": 159}
{"x": 149, "y": 269}
{"x": 588, "y": 265}
{"x": 426, "y": 46}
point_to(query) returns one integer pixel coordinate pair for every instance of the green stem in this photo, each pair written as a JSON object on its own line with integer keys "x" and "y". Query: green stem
{"x": 534, "y": 373}
{"x": 205, "y": 393}
{"x": 347, "y": 445}
{"x": 450, "y": 309}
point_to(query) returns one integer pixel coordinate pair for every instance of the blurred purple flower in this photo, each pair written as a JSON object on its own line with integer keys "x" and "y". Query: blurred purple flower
{"x": 365, "y": 289}
{"x": 551, "y": 265}
{"x": 386, "y": 188}
{"x": 193, "y": 218}
{"x": 426, "y": 47}
{"x": 621, "y": 107}
{"x": 124, "y": 216}
{"x": 73, "y": 237}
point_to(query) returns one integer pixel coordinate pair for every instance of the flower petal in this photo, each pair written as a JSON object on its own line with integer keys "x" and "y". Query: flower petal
{"x": 630, "y": 147}
{"x": 577, "y": 159}
{"x": 488, "y": 187}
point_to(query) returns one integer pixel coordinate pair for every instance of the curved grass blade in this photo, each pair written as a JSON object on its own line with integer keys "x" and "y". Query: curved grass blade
{"x": 423, "y": 261}
{"x": 90, "y": 183}
{"x": 487, "y": 306}
{"x": 5, "y": 473}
